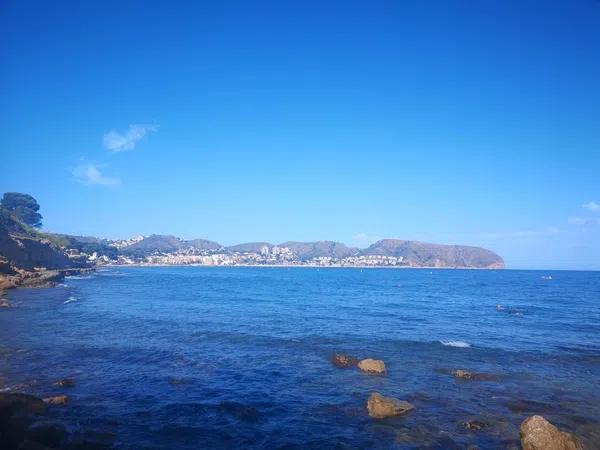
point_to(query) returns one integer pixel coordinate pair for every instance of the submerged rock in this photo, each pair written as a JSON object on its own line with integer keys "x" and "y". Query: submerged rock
{"x": 372, "y": 365}
{"x": 57, "y": 400}
{"x": 48, "y": 432}
{"x": 343, "y": 361}
{"x": 17, "y": 412}
{"x": 539, "y": 434}
{"x": 381, "y": 407}
{"x": 65, "y": 382}
{"x": 474, "y": 425}
{"x": 462, "y": 374}
{"x": 20, "y": 404}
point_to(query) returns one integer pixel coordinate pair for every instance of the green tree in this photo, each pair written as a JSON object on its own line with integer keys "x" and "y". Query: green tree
{"x": 22, "y": 207}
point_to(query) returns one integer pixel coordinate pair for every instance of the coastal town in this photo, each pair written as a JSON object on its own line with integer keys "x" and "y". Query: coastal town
{"x": 264, "y": 256}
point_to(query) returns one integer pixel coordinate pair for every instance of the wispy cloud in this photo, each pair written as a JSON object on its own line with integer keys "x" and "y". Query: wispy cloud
{"x": 91, "y": 174}
{"x": 119, "y": 142}
{"x": 549, "y": 231}
{"x": 592, "y": 206}
{"x": 583, "y": 221}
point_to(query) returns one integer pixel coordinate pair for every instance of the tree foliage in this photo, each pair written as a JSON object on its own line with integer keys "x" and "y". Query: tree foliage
{"x": 22, "y": 207}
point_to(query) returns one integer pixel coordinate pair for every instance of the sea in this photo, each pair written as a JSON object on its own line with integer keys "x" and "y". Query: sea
{"x": 240, "y": 357}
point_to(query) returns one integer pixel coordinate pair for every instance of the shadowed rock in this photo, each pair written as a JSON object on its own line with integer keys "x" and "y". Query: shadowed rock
{"x": 49, "y": 433}
{"x": 372, "y": 366}
{"x": 11, "y": 404}
{"x": 343, "y": 361}
{"x": 380, "y": 407}
{"x": 539, "y": 434}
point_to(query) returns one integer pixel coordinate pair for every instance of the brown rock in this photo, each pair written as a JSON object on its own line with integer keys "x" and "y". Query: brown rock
{"x": 381, "y": 407}
{"x": 372, "y": 365}
{"x": 57, "y": 400}
{"x": 343, "y": 361}
{"x": 539, "y": 434}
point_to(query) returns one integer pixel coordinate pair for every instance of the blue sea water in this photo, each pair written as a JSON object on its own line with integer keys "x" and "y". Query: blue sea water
{"x": 198, "y": 357}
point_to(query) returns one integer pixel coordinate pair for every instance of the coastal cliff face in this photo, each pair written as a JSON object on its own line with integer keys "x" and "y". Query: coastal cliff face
{"x": 31, "y": 262}
{"x": 424, "y": 254}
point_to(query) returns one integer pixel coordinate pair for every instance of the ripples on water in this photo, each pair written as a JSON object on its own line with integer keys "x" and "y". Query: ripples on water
{"x": 195, "y": 357}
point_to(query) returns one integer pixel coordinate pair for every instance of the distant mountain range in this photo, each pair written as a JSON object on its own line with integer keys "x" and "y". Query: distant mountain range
{"x": 414, "y": 253}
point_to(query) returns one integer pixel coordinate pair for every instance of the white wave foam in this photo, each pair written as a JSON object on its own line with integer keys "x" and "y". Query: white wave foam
{"x": 71, "y": 299}
{"x": 461, "y": 344}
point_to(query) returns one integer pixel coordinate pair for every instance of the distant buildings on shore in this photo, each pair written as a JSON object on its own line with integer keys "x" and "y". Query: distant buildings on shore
{"x": 268, "y": 256}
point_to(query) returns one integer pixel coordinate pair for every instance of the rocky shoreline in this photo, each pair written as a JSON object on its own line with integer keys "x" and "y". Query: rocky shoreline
{"x": 35, "y": 279}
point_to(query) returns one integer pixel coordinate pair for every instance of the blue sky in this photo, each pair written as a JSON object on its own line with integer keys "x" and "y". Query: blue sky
{"x": 472, "y": 122}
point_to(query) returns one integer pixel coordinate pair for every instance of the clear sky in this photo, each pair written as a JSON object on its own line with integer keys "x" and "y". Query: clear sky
{"x": 471, "y": 122}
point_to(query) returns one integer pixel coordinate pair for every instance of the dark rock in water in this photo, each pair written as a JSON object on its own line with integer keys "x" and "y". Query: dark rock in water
{"x": 530, "y": 406}
{"x": 539, "y": 434}
{"x": 372, "y": 366}
{"x": 474, "y": 425}
{"x": 240, "y": 411}
{"x": 57, "y": 400}
{"x": 381, "y": 407}
{"x": 343, "y": 361}
{"x": 17, "y": 411}
{"x": 49, "y": 433}
{"x": 11, "y": 404}
{"x": 65, "y": 382}
{"x": 178, "y": 381}
{"x": 462, "y": 374}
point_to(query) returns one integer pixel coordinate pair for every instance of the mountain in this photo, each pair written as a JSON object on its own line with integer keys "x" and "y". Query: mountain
{"x": 249, "y": 247}
{"x": 154, "y": 243}
{"x": 203, "y": 244}
{"x": 157, "y": 243}
{"x": 308, "y": 250}
{"x": 423, "y": 254}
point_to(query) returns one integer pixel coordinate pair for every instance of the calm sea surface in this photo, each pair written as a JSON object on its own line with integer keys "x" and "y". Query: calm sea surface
{"x": 194, "y": 357}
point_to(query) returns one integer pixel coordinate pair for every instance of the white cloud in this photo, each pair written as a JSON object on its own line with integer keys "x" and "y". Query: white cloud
{"x": 550, "y": 231}
{"x": 91, "y": 174}
{"x": 119, "y": 142}
{"x": 592, "y": 206}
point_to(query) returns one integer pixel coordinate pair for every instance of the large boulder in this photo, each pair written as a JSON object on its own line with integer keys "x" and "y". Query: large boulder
{"x": 372, "y": 365}
{"x": 539, "y": 434}
{"x": 381, "y": 407}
